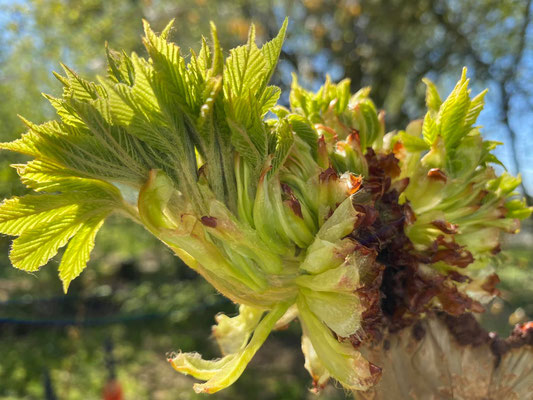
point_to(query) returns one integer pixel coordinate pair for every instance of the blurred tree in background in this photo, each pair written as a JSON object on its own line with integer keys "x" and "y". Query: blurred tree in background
{"x": 139, "y": 294}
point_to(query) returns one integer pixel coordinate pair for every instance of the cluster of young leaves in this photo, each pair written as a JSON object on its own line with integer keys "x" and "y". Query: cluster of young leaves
{"x": 186, "y": 151}
{"x": 157, "y": 114}
{"x": 335, "y": 107}
{"x": 267, "y": 210}
{"x": 444, "y": 157}
{"x": 452, "y": 178}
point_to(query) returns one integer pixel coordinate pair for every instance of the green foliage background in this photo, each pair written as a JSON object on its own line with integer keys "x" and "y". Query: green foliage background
{"x": 134, "y": 291}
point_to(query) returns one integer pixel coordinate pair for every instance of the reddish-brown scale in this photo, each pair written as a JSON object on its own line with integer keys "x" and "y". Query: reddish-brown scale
{"x": 328, "y": 175}
{"x": 490, "y": 284}
{"x": 410, "y": 216}
{"x": 421, "y": 291}
{"x": 400, "y": 185}
{"x": 377, "y": 186}
{"x": 209, "y": 221}
{"x": 456, "y": 303}
{"x": 390, "y": 165}
{"x": 295, "y": 206}
{"x": 202, "y": 171}
{"x": 496, "y": 250}
{"x": 286, "y": 189}
{"x": 437, "y": 174}
{"x": 369, "y": 215}
{"x": 291, "y": 201}
{"x": 382, "y": 165}
{"x": 444, "y": 226}
{"x": 502, "y": 212}
{"x": 457, "y": 277}
{"x": 453, "y": 253}
{"x": 477, "y": 307}
{"x": 461, "y": 258}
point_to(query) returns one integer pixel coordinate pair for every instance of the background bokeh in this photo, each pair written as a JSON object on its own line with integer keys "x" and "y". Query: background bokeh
{"x": 136, "y": 301}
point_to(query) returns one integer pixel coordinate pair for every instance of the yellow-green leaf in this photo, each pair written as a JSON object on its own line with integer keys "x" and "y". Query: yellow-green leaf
{"x": 79, "y": 249}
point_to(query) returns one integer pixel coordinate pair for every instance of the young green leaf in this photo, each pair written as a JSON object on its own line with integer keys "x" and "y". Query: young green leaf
{"x": 433, "y": 101}
{"x": 271, "y": 51}
{"x": 284, "y": 142}
{"x": 79, "y": 249}
{"x": 452, "y": 114}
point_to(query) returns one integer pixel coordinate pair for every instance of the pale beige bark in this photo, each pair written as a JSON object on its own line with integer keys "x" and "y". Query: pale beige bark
{"x": 427, "y": 362}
